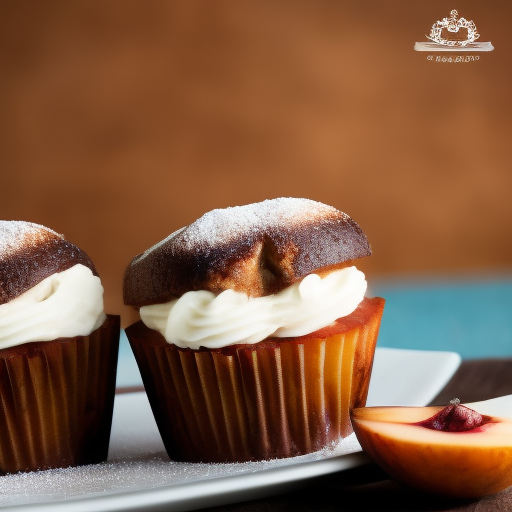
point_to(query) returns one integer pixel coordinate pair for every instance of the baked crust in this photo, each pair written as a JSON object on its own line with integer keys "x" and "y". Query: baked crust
{"x": 30, "y": 253}
{"x": 259, "y": 249}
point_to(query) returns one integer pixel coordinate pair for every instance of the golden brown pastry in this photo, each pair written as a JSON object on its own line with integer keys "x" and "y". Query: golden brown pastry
{"x": 255, "y": 339}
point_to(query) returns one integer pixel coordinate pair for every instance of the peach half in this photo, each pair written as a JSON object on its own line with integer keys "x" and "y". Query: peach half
{"x": 459, "y": 451}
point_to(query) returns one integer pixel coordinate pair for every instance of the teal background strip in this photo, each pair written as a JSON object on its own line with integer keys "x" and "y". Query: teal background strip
{"x": 472, "y": 318}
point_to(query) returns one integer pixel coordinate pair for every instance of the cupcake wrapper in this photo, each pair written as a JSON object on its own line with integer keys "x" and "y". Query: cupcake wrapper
{"x": 252, "y": 402}
{"x": 57, "y": 399}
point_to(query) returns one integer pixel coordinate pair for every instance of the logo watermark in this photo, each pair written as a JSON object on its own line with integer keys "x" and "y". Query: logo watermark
{"x": 453, "y": 34}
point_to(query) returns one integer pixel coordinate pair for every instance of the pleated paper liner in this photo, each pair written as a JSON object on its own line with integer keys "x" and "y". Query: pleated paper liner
{"x": 57, "y": 399}
{"x": 279, "y": 398}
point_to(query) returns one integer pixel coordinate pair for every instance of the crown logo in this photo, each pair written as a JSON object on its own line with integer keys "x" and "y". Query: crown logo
{"x": 453, "y": 24}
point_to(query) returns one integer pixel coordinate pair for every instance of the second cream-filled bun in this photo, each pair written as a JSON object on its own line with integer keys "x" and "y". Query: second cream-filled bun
{"x": 58, "y": 353}
{"x": 258, "y": 249}
{"x": 29, "y": 253}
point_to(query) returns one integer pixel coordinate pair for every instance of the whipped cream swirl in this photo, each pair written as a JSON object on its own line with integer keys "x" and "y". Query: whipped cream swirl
{"x": 203, "y": 319}
{"x": 65, "y": 304}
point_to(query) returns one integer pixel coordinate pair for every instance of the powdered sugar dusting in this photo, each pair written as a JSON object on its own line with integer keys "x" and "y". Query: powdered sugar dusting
{"x": 259, "y": 248}
{"x": 138, "y": 463}
{"x": 14, "y": 235}
{"x": 223, "y": 225}
{"x": 60, "y": 487}
{"x": 31, "y": 252}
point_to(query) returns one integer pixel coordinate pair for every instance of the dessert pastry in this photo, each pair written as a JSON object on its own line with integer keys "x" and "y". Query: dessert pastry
{"x": 255, "y": 339}
{"x": 58, "y": 353}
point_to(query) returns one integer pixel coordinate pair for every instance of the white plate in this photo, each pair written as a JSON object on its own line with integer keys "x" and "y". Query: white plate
{"x": 139, "y": 476}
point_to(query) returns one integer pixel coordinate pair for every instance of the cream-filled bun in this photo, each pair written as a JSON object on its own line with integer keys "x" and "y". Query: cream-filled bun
{"x": 259, "y": 249}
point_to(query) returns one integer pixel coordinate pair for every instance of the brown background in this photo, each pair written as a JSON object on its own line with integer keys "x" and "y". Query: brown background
{"x": 121, "y": 121}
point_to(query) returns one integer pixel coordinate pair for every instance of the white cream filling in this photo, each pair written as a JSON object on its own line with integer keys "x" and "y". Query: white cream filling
{"x": 65, "y": 304}
{"x": 202, "y": 319}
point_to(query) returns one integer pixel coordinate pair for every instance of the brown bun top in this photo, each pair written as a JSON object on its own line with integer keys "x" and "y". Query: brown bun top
{"x": 259, "y": 249}
{"x": 30, "y": 253}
